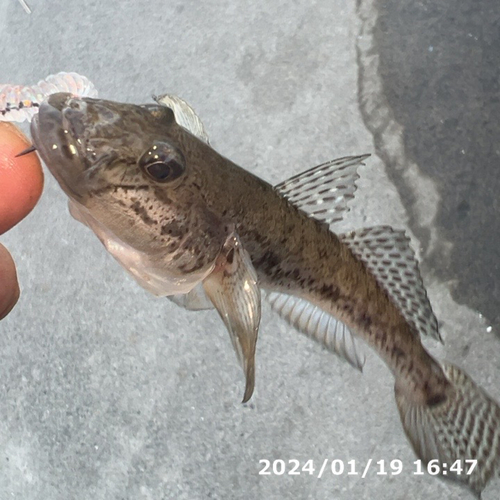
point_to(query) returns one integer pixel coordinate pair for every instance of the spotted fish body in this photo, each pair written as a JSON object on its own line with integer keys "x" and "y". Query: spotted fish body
{"x": 294, "y": 253}
{"x": 191, "y": 225}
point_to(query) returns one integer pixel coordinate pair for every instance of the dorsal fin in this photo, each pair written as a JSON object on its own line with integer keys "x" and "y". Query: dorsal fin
{"x": 185, "y": 115}
{"x": 388, "y": 256}
{"x": 319, "y": 325}
{"x": 323, "y": 191}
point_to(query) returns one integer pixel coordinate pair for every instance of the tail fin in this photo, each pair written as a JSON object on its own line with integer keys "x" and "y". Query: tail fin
{"x": 462, "y": 428}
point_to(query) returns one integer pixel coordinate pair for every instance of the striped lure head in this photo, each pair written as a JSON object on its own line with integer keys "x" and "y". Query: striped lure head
{"x": 21, "y": 102}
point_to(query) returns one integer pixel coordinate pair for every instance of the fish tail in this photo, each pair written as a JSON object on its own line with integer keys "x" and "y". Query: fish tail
{"x": 460, "y": 434}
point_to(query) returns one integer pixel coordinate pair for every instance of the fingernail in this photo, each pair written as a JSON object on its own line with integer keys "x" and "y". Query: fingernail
{"x": 13, "y": 129}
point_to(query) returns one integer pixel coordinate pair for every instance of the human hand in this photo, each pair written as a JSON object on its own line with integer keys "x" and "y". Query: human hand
{"x": 21, "y": 184}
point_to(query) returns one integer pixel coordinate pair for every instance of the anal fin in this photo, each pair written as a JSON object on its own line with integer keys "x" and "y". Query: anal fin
{"x": 318, "y": 325}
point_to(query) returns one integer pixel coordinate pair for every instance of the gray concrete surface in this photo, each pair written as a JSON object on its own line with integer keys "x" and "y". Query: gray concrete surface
{"x": 443, "y": 87}
{"x": 109, "y": 393}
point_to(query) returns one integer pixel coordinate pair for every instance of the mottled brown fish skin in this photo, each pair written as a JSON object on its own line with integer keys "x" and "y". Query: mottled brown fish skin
{"x": 294, "y": 253}
{"x": 190, "y": 219}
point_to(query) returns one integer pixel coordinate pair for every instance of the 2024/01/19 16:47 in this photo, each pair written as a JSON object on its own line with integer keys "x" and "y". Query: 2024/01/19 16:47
{"x": 338, "y": 467}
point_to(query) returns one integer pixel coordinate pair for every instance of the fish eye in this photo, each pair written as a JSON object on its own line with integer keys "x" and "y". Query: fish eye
{"x": 162, "y": 162}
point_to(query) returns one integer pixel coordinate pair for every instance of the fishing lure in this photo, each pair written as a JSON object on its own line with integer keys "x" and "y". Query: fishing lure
{"x": 20, "y": 102}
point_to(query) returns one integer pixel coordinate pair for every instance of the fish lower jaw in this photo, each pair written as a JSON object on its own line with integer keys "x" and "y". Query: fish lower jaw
{"x": 150, "y": 271}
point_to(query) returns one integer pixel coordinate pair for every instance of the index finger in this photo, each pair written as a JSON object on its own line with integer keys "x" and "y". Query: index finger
{"x": 21, "y": 179}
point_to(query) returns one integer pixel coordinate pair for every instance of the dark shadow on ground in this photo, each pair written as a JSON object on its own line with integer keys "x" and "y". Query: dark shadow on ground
{"x": 440, "y": 65}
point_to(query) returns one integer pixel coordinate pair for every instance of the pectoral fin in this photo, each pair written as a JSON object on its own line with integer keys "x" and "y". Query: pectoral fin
{"x": 233, "y": 289}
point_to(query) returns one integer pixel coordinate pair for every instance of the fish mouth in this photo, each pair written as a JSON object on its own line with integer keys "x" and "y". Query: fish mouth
{"x": 56, "y": 131}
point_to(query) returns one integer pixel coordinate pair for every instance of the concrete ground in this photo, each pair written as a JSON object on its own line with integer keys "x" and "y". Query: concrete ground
{"x": 109, "y": 393}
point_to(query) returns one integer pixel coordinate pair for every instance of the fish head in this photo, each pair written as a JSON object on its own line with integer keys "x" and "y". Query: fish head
{"x": 135, "y": 177}
{"x": 92, "y": 144}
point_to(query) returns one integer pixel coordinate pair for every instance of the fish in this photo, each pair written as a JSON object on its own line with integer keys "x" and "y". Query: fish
{"x": 190, "y": 225}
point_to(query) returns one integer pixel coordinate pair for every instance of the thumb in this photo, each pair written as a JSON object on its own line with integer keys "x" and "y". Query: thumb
{"x": 9, "y": 287}
{"x": 21, "y": 179}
